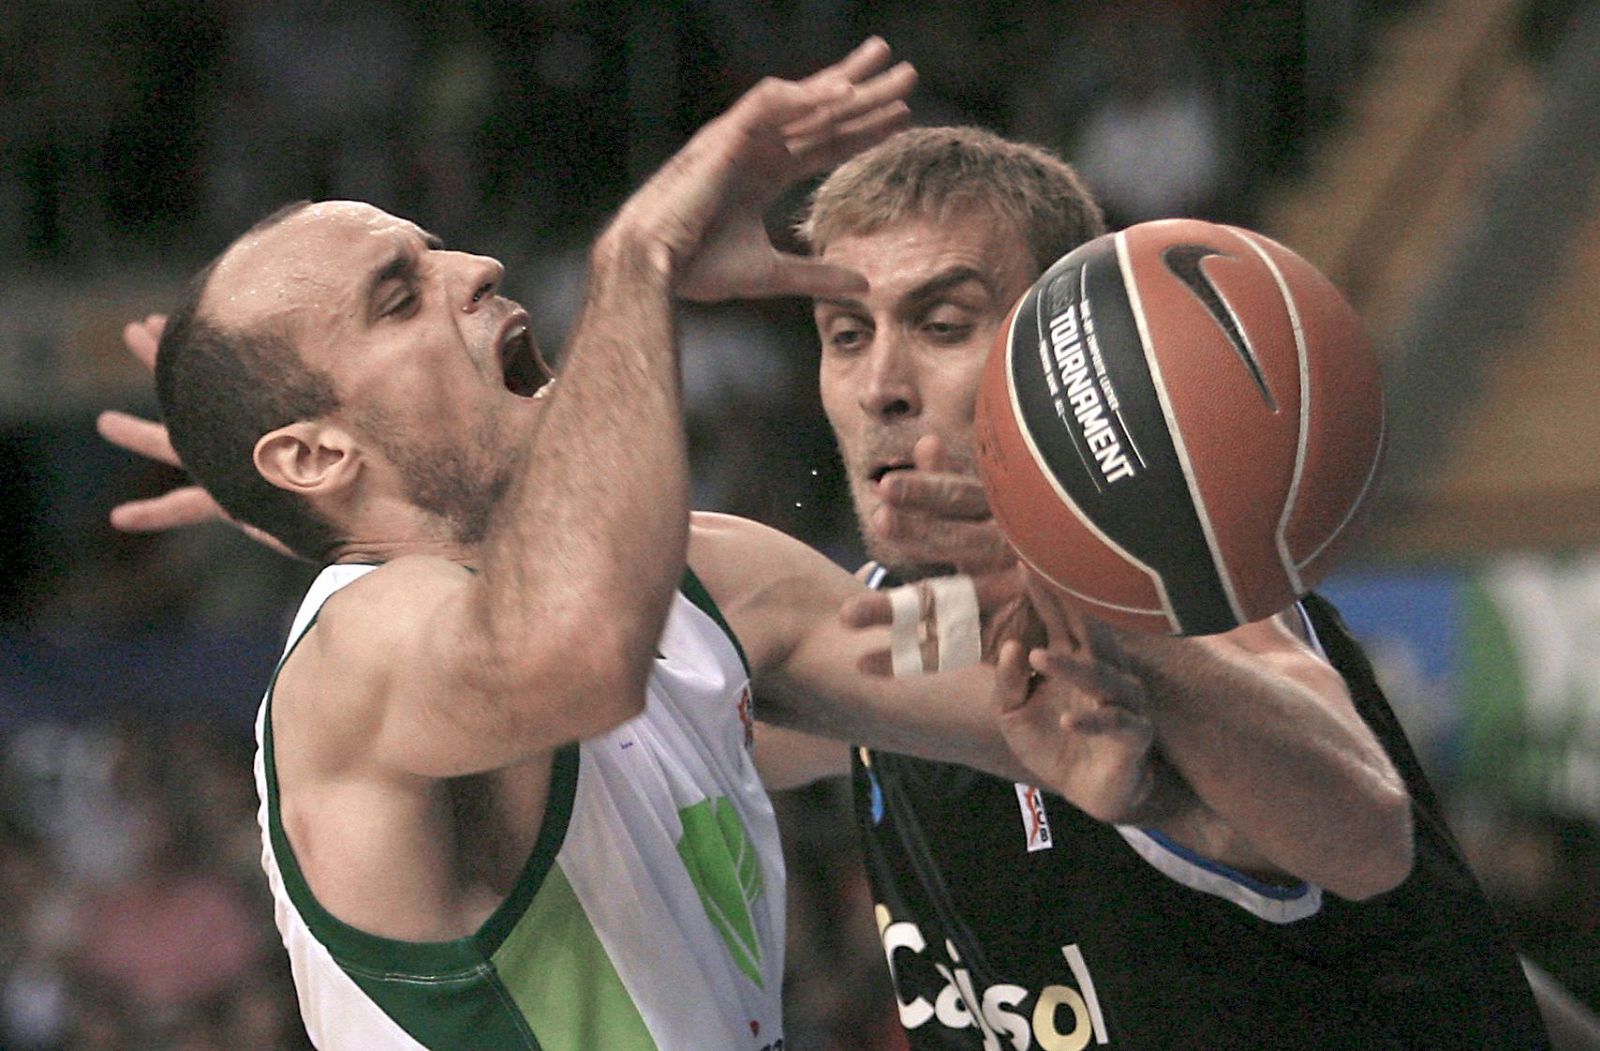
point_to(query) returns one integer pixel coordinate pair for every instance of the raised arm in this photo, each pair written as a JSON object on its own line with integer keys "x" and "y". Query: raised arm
{"x": 853, "y": 104}
{"x": 552, "y": 639}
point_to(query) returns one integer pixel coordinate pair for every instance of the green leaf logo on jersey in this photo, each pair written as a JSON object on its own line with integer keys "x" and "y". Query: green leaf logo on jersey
{"x": 724, "y": 868}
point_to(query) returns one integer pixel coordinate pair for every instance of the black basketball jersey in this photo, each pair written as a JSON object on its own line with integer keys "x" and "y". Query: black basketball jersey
{"x": 1012, "y": 920}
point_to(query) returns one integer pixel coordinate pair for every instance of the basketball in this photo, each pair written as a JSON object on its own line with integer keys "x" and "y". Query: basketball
{"x": 1179, "y": 425}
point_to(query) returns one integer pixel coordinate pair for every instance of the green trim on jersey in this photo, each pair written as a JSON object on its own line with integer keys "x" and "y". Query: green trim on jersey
{"x": 446, "y": 994}
{"x": 535, "y": 976}
{"x": 563, "y": 979}
{"x": 696, "y": 592}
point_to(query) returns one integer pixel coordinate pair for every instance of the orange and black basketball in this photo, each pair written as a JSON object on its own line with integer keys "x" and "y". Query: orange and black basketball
{"x": 1179, "y": 426}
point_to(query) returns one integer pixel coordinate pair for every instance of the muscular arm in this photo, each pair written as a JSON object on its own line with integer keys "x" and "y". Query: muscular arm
{"x": 552, "y": 640}
{"x": 1291, "y": 780}
{"x": 782, "y": 600}
{"x": 1279, "y": 775}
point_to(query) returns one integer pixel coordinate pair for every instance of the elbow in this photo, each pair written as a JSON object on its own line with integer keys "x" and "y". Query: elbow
{"x": 578, "y": 702}
{"x": 607, "y": 676}
{"x": 566, "y": 690}
{"x": 600, "y": 689}
{"x": 1385, "y": 852}
{"x": 615, "y": 694}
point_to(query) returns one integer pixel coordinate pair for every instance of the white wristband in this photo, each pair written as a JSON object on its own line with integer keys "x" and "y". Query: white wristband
{"x": 952, "y": 605}
{"x": 905, "y": 648}
{"x": 955, "y": 610}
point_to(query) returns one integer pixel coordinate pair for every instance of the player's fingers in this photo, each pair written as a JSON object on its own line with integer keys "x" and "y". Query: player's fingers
{"x": 773, "y": 112}
{"x": 800, "y": 276}
{"x": 1012, "y": 676}
{"x": 847, "y": 99}
{"x": 1081, "y": 675}
{"x": 143, "y": 337}
{"x": 829, "y": 99}
{"x": 867, "y": 103}
{"x": 834, "y": 141}
{"x": 930, "y": 454}
{"x": 1111, "y": 719}
{"x": 263, "y": 538}
{"x": 864, "y": 60}
{"x": 1032, "y": 723}
{"x": 140, "y": 436}
{"x": 940, "y": 493}
{"x": 1045, "y": 600}
{"x": 1065, "y": 627}
{"x": 876, "y": 662}
{"x": 867, "y": 611}
{"x": 971, "y": 547}
{"x": 188, "y": 505}
{"x": 998, "y": 589}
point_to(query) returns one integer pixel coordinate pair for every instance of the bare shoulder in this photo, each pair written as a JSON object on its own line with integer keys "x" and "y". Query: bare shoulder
{"x": 365, "y": 635}
{"x": 771, "y": 587}
{"x": 386, "y": 607}
{"x": 725, "y": 545}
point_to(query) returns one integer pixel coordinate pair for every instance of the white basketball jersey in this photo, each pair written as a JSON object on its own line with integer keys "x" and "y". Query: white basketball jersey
{"x": 648, "y": 916}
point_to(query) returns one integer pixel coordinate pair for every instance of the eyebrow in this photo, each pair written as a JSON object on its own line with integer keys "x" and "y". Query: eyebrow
{"x": 401, "y": 266}
{"x": 929, "y": 289}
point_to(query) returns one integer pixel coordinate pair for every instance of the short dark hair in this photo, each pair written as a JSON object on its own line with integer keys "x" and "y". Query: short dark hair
{"x": 220, "y": 390}
{"x": 928, "y": 171}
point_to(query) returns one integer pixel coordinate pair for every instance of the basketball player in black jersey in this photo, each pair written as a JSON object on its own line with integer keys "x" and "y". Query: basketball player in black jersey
{"x": 1235, "y": 894}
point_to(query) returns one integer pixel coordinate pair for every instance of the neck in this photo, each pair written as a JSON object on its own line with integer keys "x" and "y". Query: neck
{"x": 389, "y": 550}
{"x": 386, "y": 529}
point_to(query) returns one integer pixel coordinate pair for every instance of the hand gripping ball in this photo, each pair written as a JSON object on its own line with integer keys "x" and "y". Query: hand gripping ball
{"x": 1179, "y": 425}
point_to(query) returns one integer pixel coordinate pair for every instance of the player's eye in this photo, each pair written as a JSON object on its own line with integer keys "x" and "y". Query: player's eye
{"x": 400, "y": 304}
{"x": 947, "y": 330}
{"x": 846, "y": 335}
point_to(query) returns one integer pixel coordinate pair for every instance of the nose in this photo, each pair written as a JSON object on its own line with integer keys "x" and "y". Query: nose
{"x": 476, "y": 279}
{"x": 889, "y": 388}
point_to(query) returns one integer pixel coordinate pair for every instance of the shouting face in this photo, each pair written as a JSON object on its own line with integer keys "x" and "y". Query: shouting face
{"x": 436, "y": 373}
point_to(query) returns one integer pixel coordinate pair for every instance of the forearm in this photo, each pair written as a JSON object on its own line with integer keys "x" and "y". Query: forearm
{"x": 589, "y": 543}
{"x": 945, "y": 716}
{"x": 1273, "y": 748}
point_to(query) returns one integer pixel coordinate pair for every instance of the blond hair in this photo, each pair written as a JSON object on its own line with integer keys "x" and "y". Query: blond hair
{"x": 929, "y": 172}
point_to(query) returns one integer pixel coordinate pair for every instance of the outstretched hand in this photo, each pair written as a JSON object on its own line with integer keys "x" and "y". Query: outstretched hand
{"x": 1073, "y": 713}
{"x": 937, "y": 514}
{"x": 707, "y": 204}
{"x": 185, "y": 505}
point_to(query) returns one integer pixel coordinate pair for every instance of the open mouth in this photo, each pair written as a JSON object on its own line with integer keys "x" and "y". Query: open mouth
{"x": 521, "y": 366}
{"x": 878, "y": 473}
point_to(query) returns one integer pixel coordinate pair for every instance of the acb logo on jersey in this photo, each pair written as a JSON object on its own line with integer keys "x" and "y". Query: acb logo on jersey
{"x": 1035, "y": 822}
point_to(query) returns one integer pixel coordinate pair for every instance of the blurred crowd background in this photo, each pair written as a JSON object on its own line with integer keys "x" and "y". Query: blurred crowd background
{"x": 138, "y": 136}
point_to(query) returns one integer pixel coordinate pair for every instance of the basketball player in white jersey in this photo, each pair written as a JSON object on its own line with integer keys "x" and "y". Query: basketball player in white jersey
{"x": 507, "y": 792}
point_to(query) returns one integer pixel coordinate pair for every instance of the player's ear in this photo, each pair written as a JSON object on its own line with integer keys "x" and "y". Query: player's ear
{"x": 308, "y": 457}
